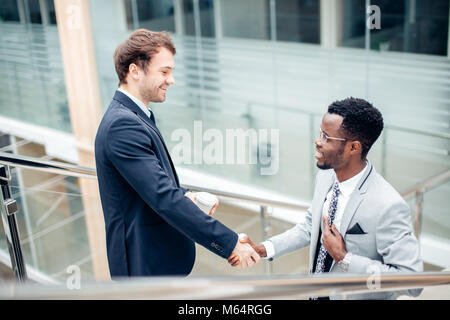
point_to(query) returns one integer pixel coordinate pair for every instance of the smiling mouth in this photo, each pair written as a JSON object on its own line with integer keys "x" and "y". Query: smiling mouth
{"x": 318, "y": 154}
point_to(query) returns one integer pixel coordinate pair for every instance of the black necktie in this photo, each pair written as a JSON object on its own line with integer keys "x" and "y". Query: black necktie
{"x": 152, "y": 117}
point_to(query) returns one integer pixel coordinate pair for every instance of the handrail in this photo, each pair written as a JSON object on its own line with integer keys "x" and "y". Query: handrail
{"x": 46, "y": 165}
{"x": 253, "y": 199}
{"x": 419, "y": 190}
{"x": 247, "y": 287}
{"x": 427, "y": 183}
{"x": 84, "y": 172}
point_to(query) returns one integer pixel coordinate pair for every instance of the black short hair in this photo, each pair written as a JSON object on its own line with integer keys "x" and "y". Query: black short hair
{"x": 362, "y": 121}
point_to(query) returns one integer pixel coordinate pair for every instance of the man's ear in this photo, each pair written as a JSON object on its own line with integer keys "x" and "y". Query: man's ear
{"x": 133, "y": 71}
{"x": 356, "y": 147}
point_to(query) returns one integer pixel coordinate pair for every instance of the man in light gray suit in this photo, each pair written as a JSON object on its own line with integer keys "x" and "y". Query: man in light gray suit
{"x": 357, "y": 222}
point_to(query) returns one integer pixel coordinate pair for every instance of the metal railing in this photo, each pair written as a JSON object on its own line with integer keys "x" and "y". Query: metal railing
{"x": 419, "y": 190}
{"x": 255, "y": 287}
{"x": 8, "y": 209}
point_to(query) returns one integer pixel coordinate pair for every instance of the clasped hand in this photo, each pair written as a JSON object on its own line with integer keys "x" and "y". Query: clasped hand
{"x": 246, "y": 254}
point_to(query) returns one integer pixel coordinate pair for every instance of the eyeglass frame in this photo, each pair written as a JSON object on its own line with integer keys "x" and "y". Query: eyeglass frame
{"x": 324, "y": 137}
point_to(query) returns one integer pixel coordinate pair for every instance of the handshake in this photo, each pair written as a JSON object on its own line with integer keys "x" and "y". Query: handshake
{"x": 246, "y": 254}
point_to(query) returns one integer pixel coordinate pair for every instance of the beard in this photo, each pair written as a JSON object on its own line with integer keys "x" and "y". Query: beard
{"x": 331, "y": 161}
{"x": 324, "y": 166}
{"x": 152, "y": 94}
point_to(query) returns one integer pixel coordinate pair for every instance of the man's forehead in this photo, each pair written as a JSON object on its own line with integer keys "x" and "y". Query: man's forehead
{"x": 163, "y": 59}
{"x": 331, "y": 122}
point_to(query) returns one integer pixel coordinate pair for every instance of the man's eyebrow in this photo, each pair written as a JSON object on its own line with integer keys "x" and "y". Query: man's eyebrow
{"x": 168, "y": 67}
{"x": 324, "y": 131}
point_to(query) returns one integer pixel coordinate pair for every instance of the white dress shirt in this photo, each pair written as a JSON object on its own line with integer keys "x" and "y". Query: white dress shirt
{"x": 346, "y": 188}
{"x": 140, "y": 104}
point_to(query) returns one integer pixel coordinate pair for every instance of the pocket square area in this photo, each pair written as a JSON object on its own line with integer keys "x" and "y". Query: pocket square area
{"x": 356, "y": 229}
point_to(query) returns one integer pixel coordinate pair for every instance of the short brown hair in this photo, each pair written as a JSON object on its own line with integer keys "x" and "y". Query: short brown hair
{"x": 139, "y": 48}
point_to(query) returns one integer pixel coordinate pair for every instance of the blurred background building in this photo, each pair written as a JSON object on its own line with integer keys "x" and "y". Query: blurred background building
{"x": 240, "y": 64}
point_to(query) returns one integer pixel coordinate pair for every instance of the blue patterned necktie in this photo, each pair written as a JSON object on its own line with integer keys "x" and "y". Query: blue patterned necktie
{"x": 320, "y": 266}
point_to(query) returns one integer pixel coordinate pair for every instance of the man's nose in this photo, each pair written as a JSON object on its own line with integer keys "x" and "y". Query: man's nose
{"x": 170, "y": 80}
{"x": 318, "y": 142}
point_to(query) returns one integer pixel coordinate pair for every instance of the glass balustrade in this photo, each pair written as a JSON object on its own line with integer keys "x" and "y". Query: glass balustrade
{"x": 32, "y": 86}
{"x": 51, "y": 222}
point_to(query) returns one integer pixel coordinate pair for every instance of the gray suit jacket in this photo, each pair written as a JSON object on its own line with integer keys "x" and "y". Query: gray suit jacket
{"x": 388, "y": 244}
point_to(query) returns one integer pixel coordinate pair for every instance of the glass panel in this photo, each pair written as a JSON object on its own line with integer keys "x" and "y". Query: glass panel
{"x": 417, "y": 26}
{"x": 51, "y": 222}
{"x": 298, "y": 21}
{"x": 206, "y": 11}
{"x": 34, "y": 11}
{"x": 51, "y": 11}
{"x": 32, "y": 86}
{"x": 353, "y": 23}
{"x": 435, "y": 212}
{"x": 411, "y": 157}
{"x": 245, "y": 19}
{"x": 9, "y": 11}
{"x": 156, "y": 15}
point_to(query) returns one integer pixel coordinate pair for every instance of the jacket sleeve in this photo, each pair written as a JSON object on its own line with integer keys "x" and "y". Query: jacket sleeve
{"x": 130, "y": 150}
{"x": 293, "y": 239}
{"x": 396, "y": 244}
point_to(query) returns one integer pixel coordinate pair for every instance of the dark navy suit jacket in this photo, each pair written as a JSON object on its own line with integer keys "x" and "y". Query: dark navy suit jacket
{"x": 150, "y": 225}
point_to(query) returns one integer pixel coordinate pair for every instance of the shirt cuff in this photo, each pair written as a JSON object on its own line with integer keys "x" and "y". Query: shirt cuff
{"x": 270, "y": 250}
{"x": 348, "y": 257}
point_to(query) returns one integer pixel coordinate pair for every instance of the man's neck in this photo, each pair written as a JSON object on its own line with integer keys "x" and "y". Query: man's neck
{"x": 134, "y": 92}
{"x": 350, "y": 170}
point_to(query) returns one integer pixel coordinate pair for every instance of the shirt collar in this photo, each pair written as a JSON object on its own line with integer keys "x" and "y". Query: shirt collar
{"x": 137, "y": 101}
{"x": 348, "y": 186}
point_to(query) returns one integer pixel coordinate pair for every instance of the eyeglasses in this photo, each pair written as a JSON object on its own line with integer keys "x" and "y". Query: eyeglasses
{"x": 324, "y": 137}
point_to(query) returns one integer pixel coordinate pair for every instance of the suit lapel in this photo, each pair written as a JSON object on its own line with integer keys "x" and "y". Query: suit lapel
{"x": 127, "y": 102}
{"x": 317, "y": 209}
{"x": 355, "y": 200}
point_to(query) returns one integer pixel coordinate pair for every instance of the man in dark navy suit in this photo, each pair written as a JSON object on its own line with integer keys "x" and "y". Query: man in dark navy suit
{"x": 151, "y": 222}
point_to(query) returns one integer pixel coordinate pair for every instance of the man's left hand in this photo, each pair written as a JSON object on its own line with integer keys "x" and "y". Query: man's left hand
{"x": 193, "y": 197}
{"x": 333, "y": 241}
{"x": 213, "y": 209}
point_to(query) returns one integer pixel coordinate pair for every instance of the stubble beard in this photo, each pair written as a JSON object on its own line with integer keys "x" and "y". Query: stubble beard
{"x": 152, "y": 94}
{"x": 329, "y": 165}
